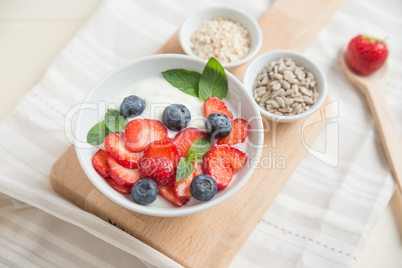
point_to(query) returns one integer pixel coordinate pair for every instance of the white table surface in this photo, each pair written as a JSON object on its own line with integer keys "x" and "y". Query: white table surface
{"x": 32, "y": 32}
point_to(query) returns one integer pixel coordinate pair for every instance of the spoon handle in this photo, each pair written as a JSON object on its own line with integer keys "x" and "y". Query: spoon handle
{"x": 386, "y": 127}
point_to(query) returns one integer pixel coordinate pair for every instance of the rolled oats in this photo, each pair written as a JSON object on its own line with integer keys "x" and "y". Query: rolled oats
{"x": 225, "y": 40}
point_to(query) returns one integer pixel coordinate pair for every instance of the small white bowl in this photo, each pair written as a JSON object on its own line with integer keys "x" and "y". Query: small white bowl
{"x": 265, "y": 59}
{"x": 116, "y": 84}
{"x": 195, "y": 20}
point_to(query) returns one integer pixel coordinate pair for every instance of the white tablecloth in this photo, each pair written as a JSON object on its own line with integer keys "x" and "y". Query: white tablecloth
{"x": 321, "y": 218}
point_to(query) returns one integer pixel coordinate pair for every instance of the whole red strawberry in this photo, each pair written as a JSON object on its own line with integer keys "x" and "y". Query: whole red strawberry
{"x": 366, "y": 55}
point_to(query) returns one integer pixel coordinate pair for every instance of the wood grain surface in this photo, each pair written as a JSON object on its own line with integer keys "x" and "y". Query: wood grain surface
{"x": 212, "y": 238}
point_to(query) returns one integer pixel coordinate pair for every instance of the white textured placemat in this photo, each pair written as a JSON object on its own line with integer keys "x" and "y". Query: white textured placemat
{"x": 321, "y": 218}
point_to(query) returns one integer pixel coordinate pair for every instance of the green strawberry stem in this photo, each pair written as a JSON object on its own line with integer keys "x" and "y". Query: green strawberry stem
{"x": 372, "y": 39}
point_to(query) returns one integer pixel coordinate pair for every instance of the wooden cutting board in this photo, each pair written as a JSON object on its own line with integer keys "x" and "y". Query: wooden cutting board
{"x": 213, "y": 237}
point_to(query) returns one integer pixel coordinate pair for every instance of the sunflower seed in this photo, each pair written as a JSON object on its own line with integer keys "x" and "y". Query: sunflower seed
{"x": 308, "y": 100}
{"x": 276, "y": 86}
{"x": 295, "y": 104}
{"x": 272, "y": 110}
{"x": 264, "y": 81}
{"x": 280, "y": 101}
{"x": 265, "y": 97}
{"x": 296, "y": 95}
{"x": 288, "y": 76}
{"x": 289, "y": 92}
{"x": 315, "y": 96}
{"x": 305, "y": 91}
{"x": 279, "y": 92}
{"x": 295, "y": 88}
{"x": 278, "y": 76}
{"x": 286, "y": 109}
{"x": 273, "y": 103}
{"x": 297, "y": 110}
{"x": 285, "y": 84}
{"x": 300, "y": 74}
{"x": 289, "y": 101}
{"x": 259, "y": 89}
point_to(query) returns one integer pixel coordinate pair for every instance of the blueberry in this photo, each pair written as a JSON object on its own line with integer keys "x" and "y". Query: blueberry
{"x": 176, "y": 117}
{"x": 144, "y": 191}
{"x": 218, "y": 125}
{"x": 132, "y": 106}
{"x": 203, "y": 187}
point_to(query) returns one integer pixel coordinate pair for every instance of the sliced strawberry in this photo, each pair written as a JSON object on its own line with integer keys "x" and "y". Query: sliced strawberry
{"x": 219, "y": 168}
{"x": 117, "y": 187}
{"x": 141, "y": 132}
{"x": 186, "y": 137}
{"x": 122, "y": 176}
{"x": 215, "y": 105}
{"x": 115, "y": 145}
{"x": 182, "y": 188}
{"x": 168, "y": 193}
{"x": 240, "y": 129}
{"x": 165, "y": 147}
{"x": 160, "y": 169}
{"x": 99, "y": 163}
{"x": 237, "y": 159}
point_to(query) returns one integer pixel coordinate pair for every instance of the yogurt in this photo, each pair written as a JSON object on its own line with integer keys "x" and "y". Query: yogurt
{"x": 158, "y": 94}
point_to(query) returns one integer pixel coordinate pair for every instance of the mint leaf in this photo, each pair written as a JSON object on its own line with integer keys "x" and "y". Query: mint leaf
{"x": 97, "y": 134}
{"x": 199, "y": 147}
{"x": 184, "y": 169}
{"x": 186, "y": 81}
{"x": 114, "y": 121}
{"x": 213, "y": 82}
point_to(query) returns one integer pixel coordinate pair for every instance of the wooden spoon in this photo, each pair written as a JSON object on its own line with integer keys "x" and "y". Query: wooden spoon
{"x": 373, "y": 87}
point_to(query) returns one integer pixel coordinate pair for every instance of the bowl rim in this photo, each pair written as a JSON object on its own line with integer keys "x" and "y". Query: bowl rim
{"x": 283, "y": 53}
{"x": 87, "y": 167}
{"x": 255, "y": 28}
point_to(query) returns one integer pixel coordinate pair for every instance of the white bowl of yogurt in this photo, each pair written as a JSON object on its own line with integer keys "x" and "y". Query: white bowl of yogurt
{"x": 142, "y": 77}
